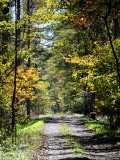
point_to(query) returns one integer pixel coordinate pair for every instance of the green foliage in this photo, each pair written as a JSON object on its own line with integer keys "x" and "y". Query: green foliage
{"x": 103, "y": 129}
{"x": 69, "y": 45}
{"x": 28, "y": 140}
{"x": 89, "y": 53}
{"x": 28, "y": 78}
{"x": 97, "y": 126}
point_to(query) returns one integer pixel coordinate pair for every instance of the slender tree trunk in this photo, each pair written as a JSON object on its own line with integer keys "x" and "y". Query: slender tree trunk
{"x": 113, "y": 50}
{"x": 28, "y": 108}
{"x": 17, "y": 36}
{"x": 18, "y": 19}
{"x": 28, "y": 43}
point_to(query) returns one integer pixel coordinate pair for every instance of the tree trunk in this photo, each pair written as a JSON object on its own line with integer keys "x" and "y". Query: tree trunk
{"x": 28, "y": 108}
{"x": 17, "y": 35}
{"x": 28, "y": 43}
{"x": 114, "y": 53}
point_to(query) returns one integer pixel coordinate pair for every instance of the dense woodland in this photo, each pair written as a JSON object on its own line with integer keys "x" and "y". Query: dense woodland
{"x": 58, "y": 56}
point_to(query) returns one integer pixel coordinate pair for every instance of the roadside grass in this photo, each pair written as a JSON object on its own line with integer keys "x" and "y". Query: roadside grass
{"x": 27, "y": 143}
{"x": 102, "y": 128}
{"x": 97, "y": 126}
{"x": 71, "y": 140}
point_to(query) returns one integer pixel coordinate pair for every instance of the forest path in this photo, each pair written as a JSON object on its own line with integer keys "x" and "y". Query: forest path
{"x": 55, "y": 144}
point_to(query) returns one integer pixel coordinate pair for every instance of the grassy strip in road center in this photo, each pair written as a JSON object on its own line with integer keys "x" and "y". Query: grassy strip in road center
{"x": 71, "y": 140}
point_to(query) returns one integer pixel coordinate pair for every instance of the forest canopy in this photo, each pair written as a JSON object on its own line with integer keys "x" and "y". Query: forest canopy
{"x": 59, "y": 56}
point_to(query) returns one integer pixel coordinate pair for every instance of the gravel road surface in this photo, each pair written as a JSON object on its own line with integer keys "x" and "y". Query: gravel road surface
{"x": 55, "y": 146}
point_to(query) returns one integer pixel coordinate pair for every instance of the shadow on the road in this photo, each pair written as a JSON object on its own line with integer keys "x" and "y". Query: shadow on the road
{"x": 94, "y": 144}
{"x": 75, "y": 159}
{"x": 57, "y": 120}
{"x": 97, "y": 142}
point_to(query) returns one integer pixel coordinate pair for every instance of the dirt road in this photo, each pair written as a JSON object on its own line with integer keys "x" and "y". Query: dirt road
{"x": 56, "y": 146}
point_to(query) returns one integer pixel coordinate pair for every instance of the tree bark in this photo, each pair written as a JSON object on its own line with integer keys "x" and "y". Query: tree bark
{"x": 17, "y": 35}
{"x": 113, "y": 50}
{"x": 28, "y": 43}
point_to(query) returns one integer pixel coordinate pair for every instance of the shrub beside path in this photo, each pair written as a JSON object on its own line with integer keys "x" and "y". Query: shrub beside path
{"x": 55, "y": 146}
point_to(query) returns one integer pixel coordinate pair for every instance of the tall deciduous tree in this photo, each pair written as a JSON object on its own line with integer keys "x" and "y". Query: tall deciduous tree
{"x": 89, "y": 19}
{"x": 17, "y": 41}
{"x": 29, "y": 5}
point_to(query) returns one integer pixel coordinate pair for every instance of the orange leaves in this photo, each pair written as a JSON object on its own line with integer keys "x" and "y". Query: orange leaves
{"x": 27, "y": 74}
{"x": 27, "y": 79}
{"x": 27, "y": 82}
{"x": 79, "y": 22}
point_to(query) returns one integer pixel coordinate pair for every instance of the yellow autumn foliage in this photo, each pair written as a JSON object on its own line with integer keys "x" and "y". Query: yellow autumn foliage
{"x": 88, "y": 61}
{"x": 27, "y": 82}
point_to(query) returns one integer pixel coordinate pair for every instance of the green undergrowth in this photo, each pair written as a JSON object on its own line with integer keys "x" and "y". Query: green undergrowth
{"x": 97, "y": 126}
{"x": 103, "y": 130}
{"x": 71, "y": 140}
{"x": 27, "y": 142}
